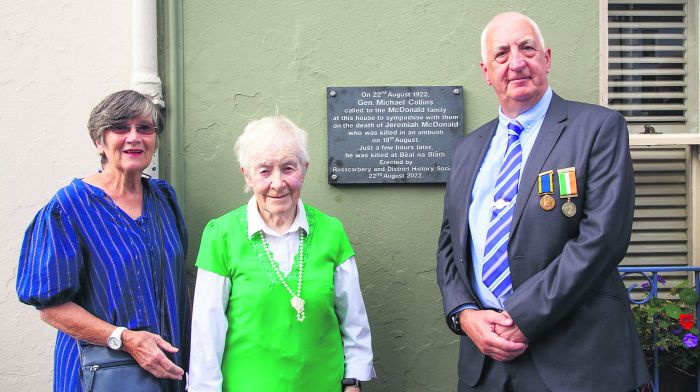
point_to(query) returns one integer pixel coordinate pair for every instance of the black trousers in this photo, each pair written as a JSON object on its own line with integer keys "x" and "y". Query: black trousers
{"x": 518, "y": 375}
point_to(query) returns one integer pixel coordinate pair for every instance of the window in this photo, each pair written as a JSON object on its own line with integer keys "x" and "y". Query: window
{"x": 649, "y": 73}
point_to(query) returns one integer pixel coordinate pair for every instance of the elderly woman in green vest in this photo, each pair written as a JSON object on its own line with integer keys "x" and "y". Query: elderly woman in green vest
{"x": 277, "y": 303}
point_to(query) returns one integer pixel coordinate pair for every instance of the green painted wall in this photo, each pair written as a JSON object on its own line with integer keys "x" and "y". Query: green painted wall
{"x": 244, "y": 60}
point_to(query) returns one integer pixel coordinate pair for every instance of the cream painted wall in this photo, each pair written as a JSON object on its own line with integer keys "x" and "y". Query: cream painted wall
{"x": 58, "y": 58}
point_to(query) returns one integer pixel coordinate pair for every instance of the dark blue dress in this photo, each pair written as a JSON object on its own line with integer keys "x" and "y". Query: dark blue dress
{"x": 82, "y": 248}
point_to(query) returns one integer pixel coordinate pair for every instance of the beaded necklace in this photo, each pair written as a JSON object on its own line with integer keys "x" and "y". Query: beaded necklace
{"x": 296, "y": 301}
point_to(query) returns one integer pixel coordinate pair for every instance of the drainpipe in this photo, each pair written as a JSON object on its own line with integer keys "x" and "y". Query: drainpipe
{"x": 175, "y": 162}
{"x": 144, "y": 49}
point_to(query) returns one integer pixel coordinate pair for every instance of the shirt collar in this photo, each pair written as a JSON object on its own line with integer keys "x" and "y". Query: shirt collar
{"x": 532, "y": 116}
{"x": 256, "y": 222}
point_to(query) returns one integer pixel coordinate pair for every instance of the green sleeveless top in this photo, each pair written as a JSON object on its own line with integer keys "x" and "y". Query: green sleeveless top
{"x": 267, "y": 349}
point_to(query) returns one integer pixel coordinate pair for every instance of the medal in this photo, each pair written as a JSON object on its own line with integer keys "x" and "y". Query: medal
{"x": 544, "y": 189}
{"x": 567, "y": 190}
{"x": 547, "y": 202}
{"x": 569, "y": 209}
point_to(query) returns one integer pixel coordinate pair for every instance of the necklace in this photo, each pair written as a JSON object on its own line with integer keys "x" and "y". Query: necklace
{"x": 296, "y": 302}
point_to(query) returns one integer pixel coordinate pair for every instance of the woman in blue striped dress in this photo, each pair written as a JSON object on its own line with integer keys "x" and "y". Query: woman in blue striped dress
{"x": 104, "y": 259}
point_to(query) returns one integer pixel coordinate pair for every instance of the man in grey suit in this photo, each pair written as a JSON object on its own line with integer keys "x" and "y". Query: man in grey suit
{"x": 538, "y": 214}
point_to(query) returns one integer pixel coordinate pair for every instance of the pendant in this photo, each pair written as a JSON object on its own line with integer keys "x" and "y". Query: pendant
{"x": 298, "y": 304}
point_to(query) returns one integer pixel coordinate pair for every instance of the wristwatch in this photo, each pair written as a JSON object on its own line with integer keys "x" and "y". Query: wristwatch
{"x": 114, "y": 341}
{"x": 351, "y": 382}
{"x": 454, "y": 323}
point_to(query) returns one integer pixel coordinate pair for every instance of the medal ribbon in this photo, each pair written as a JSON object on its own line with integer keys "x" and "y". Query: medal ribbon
{"x": 544, "y": 183}
{"x": 567, "y": 182}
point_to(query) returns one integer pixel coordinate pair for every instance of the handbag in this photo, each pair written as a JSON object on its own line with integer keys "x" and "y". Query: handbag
{"x": 105, "y": 370}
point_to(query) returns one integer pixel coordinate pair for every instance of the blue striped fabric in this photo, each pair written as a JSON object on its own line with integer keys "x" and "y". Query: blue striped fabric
{"x": 81, "y": 247}
{"x": 496, "y": 270}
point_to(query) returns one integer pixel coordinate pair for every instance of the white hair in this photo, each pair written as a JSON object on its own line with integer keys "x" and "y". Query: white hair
{"x": 491, "y": 23}
{"x": 272, "y": 133}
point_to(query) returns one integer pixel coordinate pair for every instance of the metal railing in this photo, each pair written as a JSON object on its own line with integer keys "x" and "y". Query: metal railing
{"x": 651, "y": 290}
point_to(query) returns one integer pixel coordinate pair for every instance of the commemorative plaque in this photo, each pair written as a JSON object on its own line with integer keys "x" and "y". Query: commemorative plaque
{"x": 380, "y": 135}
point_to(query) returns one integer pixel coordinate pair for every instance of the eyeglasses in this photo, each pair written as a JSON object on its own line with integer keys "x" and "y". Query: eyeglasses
{"x": 142, "y": 129}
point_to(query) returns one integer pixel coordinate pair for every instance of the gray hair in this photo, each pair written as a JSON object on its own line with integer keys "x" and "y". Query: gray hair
{"x": 491, "y": 23}
{"x": 271, "y": 134}
{"x": 118, "y": 108}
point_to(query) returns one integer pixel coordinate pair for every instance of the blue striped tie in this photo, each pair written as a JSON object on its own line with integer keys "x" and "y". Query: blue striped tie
{"x": 496, "y": 270}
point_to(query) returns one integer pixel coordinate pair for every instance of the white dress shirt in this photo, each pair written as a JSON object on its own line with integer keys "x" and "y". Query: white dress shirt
{"x": 481, "y": 206}
{"x": 212, "y": 292}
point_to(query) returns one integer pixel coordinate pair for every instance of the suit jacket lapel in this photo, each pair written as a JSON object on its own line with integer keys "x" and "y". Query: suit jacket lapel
{"x": 552, "y": 126}
{"x": 471, "y": 169}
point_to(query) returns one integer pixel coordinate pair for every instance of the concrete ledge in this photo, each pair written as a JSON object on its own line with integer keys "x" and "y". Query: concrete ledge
{"x": 664, "y": 139}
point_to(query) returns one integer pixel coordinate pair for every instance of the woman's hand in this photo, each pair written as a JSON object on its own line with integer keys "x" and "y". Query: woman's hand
{"x": 147, "y": 349}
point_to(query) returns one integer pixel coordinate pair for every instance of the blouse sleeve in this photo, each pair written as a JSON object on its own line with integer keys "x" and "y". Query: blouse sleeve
{"x": 354, "y": 326}
{"x": 345, "y": 250}
{"x": 209, "y": 327}
{"x": 50, "y": 261}
{"x": 212, "y": 254}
